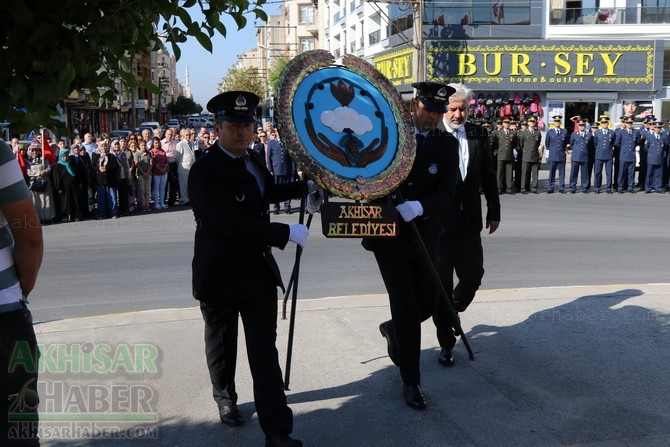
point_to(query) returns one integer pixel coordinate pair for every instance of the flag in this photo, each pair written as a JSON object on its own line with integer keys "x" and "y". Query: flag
{"x": 46, "y": 149}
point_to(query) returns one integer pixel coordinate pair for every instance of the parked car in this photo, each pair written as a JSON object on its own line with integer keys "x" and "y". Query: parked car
{"x": 174, "y": 124}
{"x": 116, "y": 134}
{"x": 151, "y": 125}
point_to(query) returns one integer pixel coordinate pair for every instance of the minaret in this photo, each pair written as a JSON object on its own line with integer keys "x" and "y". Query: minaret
{"x": 187, "y": 88}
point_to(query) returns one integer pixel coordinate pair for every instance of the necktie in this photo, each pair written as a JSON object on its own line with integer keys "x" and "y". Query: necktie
{"x": 581, "y": 134}
{"x": 629, "y": 132}
{"x": 658, "y": 137}
{"x": 419, "y": 140}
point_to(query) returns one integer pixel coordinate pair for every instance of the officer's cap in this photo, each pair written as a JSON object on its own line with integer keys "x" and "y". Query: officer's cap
{"x": 658, "y": 123}
{"x": 499, "y": 121}
{"x": 628, "y": 120}
{"x": 604, "y": 119}
{"x": 532, "y": 118}
{"x": 650, "y": 118}
{"x": 486, "y": 124}
{"x": 433, "y": 95}
{"x": 623, "y": 117}
{"x": 557, "y": 117}
{"x": 582, "y": 122}
{"x": 506, "y": 120}
{"x": 512, "y": 121}
{"x": 236, "y": 106}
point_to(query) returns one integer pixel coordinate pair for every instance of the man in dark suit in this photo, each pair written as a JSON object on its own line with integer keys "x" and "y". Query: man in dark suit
{"x": 460, "y": 243}
{"x": 280, "y": 165}
{"x": 428, "y": 190}
{"x": 234, "y": 273}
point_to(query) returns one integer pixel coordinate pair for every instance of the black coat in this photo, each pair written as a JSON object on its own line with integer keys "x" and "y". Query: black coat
{"x": 233, "y": 236}
{"x": 481, "y": 173}
{"x": 111, "y": 176}
{"x": 432, "y": 181}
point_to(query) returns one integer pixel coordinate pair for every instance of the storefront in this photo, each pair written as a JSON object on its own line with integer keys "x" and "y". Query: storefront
{"x": 546, "y": 78}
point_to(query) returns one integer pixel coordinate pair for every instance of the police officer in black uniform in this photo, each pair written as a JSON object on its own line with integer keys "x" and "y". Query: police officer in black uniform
{"x": 234, "y": 273}
{"x": 428, "y": 190}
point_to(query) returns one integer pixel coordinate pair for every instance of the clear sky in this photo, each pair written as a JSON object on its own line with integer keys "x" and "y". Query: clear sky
{"x": 205, "y": 70}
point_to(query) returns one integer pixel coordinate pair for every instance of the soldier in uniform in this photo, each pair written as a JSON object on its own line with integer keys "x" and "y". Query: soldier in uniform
{"x": 615, "y": 158}
{"x": 626, "y": 140}
{"x": 556, "y": 141}
{"x": 235, "y": 275}
{"x": 647, "y": 131}
{"x": 429, "y": 190}
{"x": 604, "y": 144}
{"x": 655, "y": 148}
{"x": 530, "y": 145}
{"x": 503, "y": 144}
{"x": 281, "y": 166}
{"x": 581, "y": 143}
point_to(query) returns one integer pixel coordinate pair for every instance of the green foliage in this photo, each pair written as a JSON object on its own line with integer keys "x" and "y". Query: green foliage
{"x": 50, "y": 48}
{"x": 249, "y": 79}
{"x": 184, "y": 106}
{"x": 275, "y": 70}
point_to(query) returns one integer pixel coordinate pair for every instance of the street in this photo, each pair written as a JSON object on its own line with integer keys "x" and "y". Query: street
{"x": 143, "y": 261}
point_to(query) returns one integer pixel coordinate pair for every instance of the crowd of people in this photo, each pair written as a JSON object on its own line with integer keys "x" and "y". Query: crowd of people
{"x": 100, "y": 178}
{"x": 590, "y": 148}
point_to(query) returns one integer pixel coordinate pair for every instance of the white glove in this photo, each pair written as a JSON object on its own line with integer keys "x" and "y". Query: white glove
{"x": 410, "y": 209}
{"x": 298, "y": 233}
{"x": 314, "y": 201}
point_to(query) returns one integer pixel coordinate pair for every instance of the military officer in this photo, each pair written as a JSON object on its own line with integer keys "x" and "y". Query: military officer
{"x": 503, "y": 144}
{"x": 429, "y": 190}
{"x": 581, "y": 143}
{"x": 626, "y": 141}
{"x": 656, "y": 148}
{"x": 645, "y": 132}
{"x": 604, "y": 143}
{"x": 530, "y": 145}
{"x": 615, "y": 158}
{"x": 556, "y": 141}
{"x": 235, "y": 276}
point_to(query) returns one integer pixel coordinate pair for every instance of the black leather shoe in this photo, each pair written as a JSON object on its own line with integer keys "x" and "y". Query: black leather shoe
{"x": 414, "y": 397}
{"x": 275, "y": 212}
{"x": 282, "y": 440}
{"x": 288, "y": 211}
{"x": 230, "y": 415}
{"x": 446, "y": 357}
{"x": 386, "y": 330}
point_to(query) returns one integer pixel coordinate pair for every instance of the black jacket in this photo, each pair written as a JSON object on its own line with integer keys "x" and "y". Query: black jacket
{"x": 233, "y": 236}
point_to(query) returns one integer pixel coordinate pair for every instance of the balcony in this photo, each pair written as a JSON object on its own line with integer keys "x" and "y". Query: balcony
{"x": 635, "y": 15}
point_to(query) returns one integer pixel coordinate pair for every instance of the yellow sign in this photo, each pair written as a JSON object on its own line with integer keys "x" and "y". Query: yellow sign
{"x": 396, "y": 66}
{"x": 356, "y": 220}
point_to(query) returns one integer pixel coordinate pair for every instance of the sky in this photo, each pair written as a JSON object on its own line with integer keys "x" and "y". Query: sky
{"x": 205, "y": 69}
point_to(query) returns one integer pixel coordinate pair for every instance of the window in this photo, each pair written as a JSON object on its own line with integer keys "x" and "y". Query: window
{"x": 306, "y": 15}
{"x": 374, "y": 37}
{"x": 306, "y": 44}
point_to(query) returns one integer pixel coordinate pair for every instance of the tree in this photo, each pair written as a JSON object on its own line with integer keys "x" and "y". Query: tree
{"x": 275, "y": 70}
{"x": 50, "y": 48}
{"x": 184, "y": 106}
{"x": 248, "y": 79}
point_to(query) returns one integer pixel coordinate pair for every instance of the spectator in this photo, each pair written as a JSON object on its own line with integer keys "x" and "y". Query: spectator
{"x": 22, "y": 248}
{"x": 143, "y": 163}
{"x": 106, "y": 168}
{"x": 67, "y": 187}
{"x": 159, "y": 169}
{"x": 185, "y": 157}
{"x": 40, "y": 168}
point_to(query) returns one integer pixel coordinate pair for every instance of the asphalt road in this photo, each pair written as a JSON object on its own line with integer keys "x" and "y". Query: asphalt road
{"x": 143, "y": 261}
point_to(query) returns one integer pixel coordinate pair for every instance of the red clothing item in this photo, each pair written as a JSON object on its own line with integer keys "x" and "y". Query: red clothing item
{"x": 160, "y": 165}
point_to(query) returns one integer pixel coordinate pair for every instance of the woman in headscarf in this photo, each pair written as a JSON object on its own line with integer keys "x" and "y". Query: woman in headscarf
{"x": 67, "y": 186}
{"x": 39, "y": 169}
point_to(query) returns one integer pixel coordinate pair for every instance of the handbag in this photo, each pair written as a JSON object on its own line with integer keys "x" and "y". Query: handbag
{"x": 38, "y": 185}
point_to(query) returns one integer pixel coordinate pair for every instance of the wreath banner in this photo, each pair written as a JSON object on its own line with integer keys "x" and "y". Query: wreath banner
{"x": 345, "y": 125}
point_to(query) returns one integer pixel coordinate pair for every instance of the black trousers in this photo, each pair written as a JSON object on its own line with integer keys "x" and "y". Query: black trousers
{"x": 18, "y": 389}
{"x": 460, "y": 252}
{"x": 412, "y": 291}
{"x": 260, "y": 329}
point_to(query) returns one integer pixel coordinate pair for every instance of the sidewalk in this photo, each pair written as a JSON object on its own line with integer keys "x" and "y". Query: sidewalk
{"x": 577, "y": 366}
